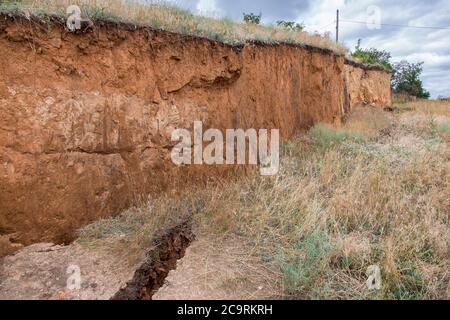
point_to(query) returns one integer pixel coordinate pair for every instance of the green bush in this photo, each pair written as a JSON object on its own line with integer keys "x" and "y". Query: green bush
{"x": 252, "y": 18}
{"x": 290, "y": 25}
{"x": 406, "y": 79}
{"x": 373, "y": 56}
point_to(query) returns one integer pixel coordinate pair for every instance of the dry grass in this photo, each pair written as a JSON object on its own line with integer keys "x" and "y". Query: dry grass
{"x": 378, "y": 194}
{"x": 164, "y": 16}
{"x": 375, "y": 192}
{"x": 131, "y": 234}
{"x": 427, "y": 107}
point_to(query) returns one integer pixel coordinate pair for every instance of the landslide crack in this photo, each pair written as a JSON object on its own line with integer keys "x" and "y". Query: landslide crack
{"x": 150, "y": 276}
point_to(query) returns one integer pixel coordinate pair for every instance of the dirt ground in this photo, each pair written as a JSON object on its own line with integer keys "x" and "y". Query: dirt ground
{"x": 220, "y": 270}
{"x": 43, "y": 271}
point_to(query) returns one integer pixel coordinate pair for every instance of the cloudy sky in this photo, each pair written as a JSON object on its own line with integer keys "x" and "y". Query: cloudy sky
{"x": 413, "y": 44}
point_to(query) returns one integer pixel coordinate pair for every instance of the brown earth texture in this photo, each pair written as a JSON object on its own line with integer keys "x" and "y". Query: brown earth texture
{"x": 86, "y": 118}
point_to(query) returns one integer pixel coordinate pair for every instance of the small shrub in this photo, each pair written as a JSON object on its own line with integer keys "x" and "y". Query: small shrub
{"x": 310, "y": 262}
{"x": 290, "y": 25}
{"x": 252, "y": 18}
{"x": 373, "y": 56}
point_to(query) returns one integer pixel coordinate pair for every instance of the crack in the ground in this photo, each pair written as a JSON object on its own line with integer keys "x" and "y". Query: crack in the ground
{"x": 150, "y": 276}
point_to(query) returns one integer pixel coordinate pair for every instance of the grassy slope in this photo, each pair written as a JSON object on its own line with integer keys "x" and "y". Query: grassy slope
{"x": 375, "y": 192}
{"x": 168, "y": 17}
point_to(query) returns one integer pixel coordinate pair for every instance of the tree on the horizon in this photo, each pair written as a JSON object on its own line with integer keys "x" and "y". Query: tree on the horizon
{"x": 405, "y": 75}
{"x": 406, "y": 79}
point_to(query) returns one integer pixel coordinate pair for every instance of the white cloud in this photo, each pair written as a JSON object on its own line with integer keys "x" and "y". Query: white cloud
{"x": 414, "y": 45}
{"x": 432, "y": 59}
{"x": 209, "y": 8}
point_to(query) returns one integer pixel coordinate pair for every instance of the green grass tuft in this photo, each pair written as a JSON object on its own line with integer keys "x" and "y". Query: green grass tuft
{"x": 326, "y": 136}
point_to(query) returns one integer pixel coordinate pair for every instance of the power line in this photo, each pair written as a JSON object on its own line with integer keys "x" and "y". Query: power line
{"x": 395, "y": 25}
{"x": 326, "y": 26}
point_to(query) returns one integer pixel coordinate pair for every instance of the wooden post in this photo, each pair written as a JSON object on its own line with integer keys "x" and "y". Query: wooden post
{"x": 337, "y": 26}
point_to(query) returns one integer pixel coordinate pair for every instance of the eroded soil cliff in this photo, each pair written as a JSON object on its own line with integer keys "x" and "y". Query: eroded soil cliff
{"x": 86, "y": 118}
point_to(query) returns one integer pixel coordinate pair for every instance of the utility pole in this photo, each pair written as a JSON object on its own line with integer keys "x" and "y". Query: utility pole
{"x": 337, "y": 26}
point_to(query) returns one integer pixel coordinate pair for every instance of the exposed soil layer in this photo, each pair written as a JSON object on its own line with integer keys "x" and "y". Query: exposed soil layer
{"x": 86, "y": 118}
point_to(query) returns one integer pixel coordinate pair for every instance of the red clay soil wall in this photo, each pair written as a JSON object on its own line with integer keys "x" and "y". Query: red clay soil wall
{"x": 86, "y": 119}
{"x": 367, "y": 86}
